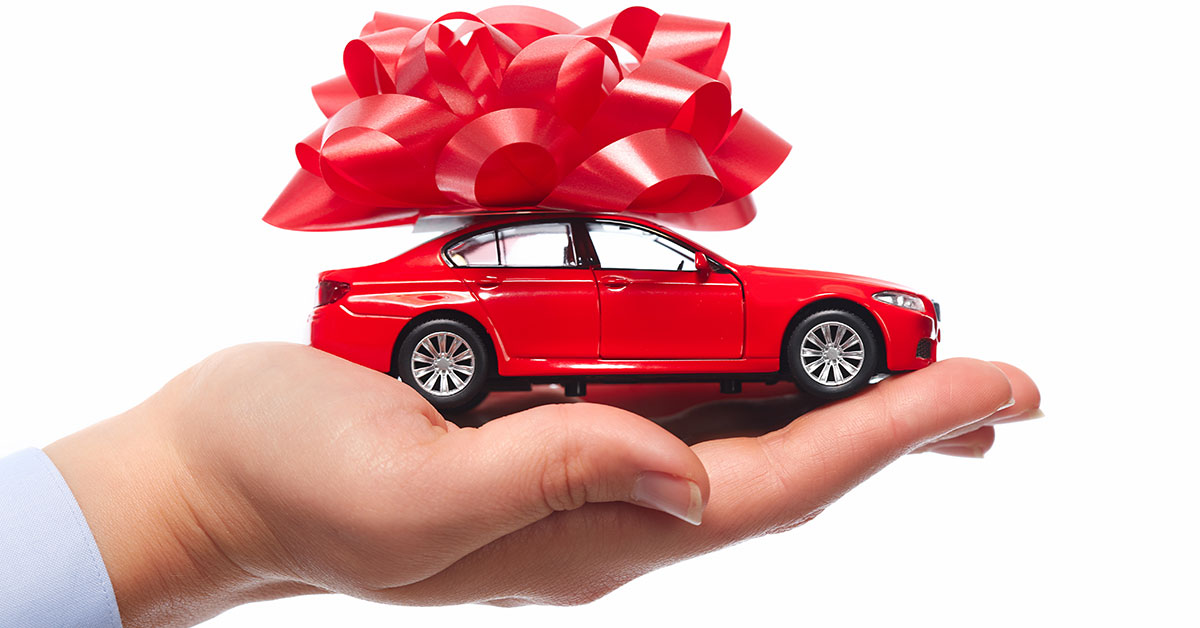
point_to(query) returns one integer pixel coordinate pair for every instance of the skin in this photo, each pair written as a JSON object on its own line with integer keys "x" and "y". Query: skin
{"x": 273, "y": 470}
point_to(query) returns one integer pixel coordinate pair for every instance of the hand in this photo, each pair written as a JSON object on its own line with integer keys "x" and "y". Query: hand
{"x": 274, "y": 470}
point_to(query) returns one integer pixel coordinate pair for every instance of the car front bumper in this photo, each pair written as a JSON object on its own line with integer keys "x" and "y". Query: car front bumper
{"x": 912, "y": 338}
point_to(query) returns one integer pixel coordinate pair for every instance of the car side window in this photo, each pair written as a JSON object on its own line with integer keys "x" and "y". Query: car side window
{"x": 631, "y": 248}
{"x": 478, "y": 250}
{"x": 536, "y": 245}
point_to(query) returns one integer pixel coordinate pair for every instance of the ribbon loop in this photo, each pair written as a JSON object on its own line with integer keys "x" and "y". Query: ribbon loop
{"x": 507, "y": 158}
{"x": 698, "y": 44}
{"x": 525, "y": 25}
{"x": 660, "y": 170}
{"x": 333, "y": 94}
{"x": 567, "y": 74}
{"x": 664, "y": 94}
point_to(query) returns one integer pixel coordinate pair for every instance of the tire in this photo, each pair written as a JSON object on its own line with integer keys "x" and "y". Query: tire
{"x": 447, "y": 362}
{"x": 854, "y": 359}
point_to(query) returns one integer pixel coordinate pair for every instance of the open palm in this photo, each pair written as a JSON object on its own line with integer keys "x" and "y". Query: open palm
{"x": 291, "y": 471}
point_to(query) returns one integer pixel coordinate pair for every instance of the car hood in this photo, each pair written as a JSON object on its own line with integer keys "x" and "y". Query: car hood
{"x": 826, "y": 277}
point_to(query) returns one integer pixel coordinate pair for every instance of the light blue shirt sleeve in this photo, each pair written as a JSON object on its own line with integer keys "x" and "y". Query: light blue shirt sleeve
{"x": 51, "y": 573}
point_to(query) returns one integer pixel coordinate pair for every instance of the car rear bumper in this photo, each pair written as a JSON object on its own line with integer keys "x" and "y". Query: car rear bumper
{"x": 362, "y": 339}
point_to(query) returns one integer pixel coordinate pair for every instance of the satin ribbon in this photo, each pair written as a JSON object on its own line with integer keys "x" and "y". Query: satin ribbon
{"x": 517, "y": 108}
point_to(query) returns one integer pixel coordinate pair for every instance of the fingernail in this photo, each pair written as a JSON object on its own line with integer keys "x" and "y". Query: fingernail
{"x": 1027, "y": 415}
{"x": 962, "y": 451}
{"x": 676, "y": 496}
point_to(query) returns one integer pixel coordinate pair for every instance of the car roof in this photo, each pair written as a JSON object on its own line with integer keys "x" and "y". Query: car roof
{"x": 454, "y": 222}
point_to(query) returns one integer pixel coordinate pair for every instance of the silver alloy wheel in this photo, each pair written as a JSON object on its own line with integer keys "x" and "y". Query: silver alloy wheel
{"x": 443, "y": 363}
{"x": 832, "y": 353}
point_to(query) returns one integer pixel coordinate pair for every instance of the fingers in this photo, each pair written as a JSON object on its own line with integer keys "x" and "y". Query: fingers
{"x": 758, "y": 485}
{"x": 519, "y": 469}
{"x": 1027, "y": 399}
{"x": 782, "y": 478}
{"x": 973, "y": 444}
{"x": 974, "y": 439}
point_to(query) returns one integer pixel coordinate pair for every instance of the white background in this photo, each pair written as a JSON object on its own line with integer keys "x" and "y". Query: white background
{"x": 1035, "y": 165}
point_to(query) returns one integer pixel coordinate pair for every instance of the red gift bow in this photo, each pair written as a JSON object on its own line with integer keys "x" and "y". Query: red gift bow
{"x": 519, "y": 108}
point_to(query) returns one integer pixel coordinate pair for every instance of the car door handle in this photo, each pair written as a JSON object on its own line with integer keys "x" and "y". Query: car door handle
{"x": 489, "y": 282}
{"x": 614, "y": 282}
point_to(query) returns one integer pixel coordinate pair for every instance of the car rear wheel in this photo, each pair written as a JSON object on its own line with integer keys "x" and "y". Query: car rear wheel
{"x": 832, "y": 354}
{"x": 447, "y": 362}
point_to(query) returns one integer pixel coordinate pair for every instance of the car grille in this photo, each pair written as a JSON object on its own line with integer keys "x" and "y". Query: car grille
{"x": 924, "y": 348}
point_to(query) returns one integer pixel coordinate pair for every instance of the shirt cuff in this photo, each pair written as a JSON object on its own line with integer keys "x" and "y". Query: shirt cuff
{"x": 51, "y": 573}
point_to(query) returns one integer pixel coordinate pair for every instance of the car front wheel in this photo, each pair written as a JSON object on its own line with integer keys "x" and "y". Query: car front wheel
{"x": 447, "y": 362}
{"x": 832, "y": 354}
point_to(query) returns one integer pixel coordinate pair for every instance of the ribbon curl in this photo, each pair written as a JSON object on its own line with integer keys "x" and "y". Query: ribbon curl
{"x": 518, "y": 108}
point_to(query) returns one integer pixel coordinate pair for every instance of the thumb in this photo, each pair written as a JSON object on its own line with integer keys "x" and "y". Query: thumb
{"x": 519, "y": 469}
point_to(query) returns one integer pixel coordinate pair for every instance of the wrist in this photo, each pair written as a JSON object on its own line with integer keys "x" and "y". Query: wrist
{"x": 140, "y": 503}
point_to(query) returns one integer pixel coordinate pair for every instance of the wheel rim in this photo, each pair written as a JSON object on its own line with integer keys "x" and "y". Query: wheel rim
{"x": 832, "y": 353}
{"x": 443, "y": 363}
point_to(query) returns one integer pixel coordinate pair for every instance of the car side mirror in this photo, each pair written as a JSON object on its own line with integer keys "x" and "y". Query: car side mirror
{"x": 703, "y": 266}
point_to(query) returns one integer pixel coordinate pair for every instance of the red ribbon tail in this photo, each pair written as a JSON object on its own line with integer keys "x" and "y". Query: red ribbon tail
{"x": 307, "y": 204}
{"x": 726, "y": 217}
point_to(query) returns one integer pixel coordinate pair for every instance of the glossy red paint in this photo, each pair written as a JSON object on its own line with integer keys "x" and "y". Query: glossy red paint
{"x": 586, "y": 321}
{"x": 670, "y": 315}
{"x": 543, "y": 312}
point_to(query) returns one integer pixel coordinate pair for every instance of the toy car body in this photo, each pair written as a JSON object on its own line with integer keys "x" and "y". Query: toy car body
{"x": 568, "y": 298}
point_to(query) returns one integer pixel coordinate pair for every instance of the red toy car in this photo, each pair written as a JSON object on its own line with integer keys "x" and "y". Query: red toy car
{"x": 516, "y": 299}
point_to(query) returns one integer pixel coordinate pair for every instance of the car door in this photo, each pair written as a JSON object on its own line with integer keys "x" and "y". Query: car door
{"x": 655, "y": 305}
{"x": 541, "y": 301}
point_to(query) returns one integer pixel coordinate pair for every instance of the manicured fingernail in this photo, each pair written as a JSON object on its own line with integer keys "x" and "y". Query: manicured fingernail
{"x": 673, "y": 495}
{"x": 962, "y": 451}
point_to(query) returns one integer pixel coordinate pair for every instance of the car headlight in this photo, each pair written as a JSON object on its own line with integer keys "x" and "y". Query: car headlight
{"x": 901, "y": 299}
